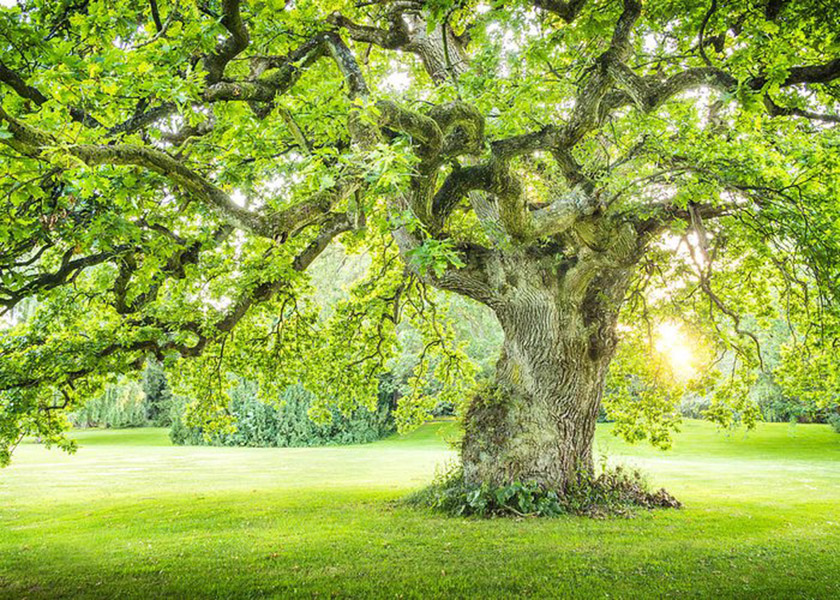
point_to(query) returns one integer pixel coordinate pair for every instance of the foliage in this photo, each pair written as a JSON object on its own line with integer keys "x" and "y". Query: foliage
{"x": 809, "y": 372}
{"x": 171, "y": 171}
{"x": 778, "y": 408}
{"x": 129, "y": 403}
{"x": 614, "y": 491}
{"x": 834, "y": 421}
{"x": 160, "y": 403}
{"x": 694, "y": 406}
{"x": 287, "y": 423}
{"x": 643, "y": 392}
{"x": 119, "y": 405}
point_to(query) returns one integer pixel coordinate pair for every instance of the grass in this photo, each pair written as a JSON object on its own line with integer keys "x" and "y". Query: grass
{"x": 130, "y": 516}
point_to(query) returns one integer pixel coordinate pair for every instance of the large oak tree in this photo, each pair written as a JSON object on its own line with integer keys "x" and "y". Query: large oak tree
{"x": 171, "y": 168}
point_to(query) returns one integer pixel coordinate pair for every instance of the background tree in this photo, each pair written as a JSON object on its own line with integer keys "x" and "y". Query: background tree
{"x": 288, "y": 425}
{"x": 171, "y": 169}
{"x": 158, "y": 394}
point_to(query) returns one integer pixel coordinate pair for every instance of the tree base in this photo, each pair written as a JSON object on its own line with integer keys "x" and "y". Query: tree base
{"x": 615, "y": 492}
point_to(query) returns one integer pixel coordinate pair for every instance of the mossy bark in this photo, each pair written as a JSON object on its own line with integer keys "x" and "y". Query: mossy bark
{"x": 537, "y": 420}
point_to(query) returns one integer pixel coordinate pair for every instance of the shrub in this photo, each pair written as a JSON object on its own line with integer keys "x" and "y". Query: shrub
{"x": 603, "y": 416}
{"x": 834, "y": 421}
{"x": 131, "y": 404}
{"x": 120, "y": 405}
{"x": 451, "y": 494}
{"x": 779, "y": 409}
{"x": 694, "y": 406}
{"x": 615, "y": 491}
{"x": 287, "y": 424}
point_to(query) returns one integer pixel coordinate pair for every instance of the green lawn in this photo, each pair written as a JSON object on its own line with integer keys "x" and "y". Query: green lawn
{"x": 131, "y": 516}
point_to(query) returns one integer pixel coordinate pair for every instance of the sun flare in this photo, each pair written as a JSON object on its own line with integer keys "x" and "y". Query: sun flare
{"x": 673, "y": 344}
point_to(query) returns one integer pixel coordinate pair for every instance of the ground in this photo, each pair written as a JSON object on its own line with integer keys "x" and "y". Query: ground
{"x": 130, "y": 516}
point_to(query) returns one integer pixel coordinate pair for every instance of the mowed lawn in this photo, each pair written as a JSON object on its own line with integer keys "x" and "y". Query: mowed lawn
{"x": 130, "y": 516}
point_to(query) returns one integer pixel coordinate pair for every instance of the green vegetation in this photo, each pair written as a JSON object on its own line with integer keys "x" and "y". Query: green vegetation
{"x": 287, "y": 423}
{"x": 148, "y": 402}
{"x": 275, "y": 224}
{"x": 602, "y": 178}
{"x": 119, "y": 405}
{"x": 131, "y": 516}
{"x": 615, "y": 491}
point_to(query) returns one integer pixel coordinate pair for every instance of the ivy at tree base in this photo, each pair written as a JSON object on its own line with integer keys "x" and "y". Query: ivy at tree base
{"x": 615, "y": 492}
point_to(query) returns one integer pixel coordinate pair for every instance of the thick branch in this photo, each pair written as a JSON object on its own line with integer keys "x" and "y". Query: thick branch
{"x": 586, "y": 113}
{"x": 563, "y": 213}
{"x": 24, "y": 90}
{"x": 276, "y": 74}
{"x": 205, "y": 333}
{"x": 648, "y": 93}
{"x": 423, "y": 130}
{"x": 470, "y": 280}
{"x": 394, "y": 37}
{"x": 226, "y": 50}
{"x": 32, "y": 142}
{"x": 462, "y": 126}
{"x": 69, "y": 267}
{"x": 440, "y": 50}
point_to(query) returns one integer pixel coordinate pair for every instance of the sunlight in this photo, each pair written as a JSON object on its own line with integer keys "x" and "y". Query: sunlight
{"x": 674, "y": 345}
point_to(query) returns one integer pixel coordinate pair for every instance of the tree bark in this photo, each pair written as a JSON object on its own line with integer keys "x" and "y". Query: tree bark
{"x": 443, "y": 57}
{"x": 537, "y": 420}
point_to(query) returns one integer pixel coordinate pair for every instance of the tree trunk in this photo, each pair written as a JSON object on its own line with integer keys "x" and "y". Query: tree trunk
{"x": 537, "y": 421}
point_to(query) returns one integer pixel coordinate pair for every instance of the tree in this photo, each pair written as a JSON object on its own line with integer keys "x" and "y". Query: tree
{"x": 173, "y": 168}
{"x": 158, "y": 395}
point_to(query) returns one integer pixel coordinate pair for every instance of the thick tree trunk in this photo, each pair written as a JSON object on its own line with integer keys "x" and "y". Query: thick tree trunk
{"x": 537, "y": 421}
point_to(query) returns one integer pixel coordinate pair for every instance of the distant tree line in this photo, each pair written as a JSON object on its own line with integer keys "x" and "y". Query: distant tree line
{"x": 287, "y": 423}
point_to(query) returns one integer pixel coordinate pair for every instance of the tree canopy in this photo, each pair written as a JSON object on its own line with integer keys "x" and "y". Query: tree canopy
{"x": 172, "y": 168}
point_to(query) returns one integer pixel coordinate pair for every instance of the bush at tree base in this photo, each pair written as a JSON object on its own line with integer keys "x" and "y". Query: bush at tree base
{"x": 616, "y": 491}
